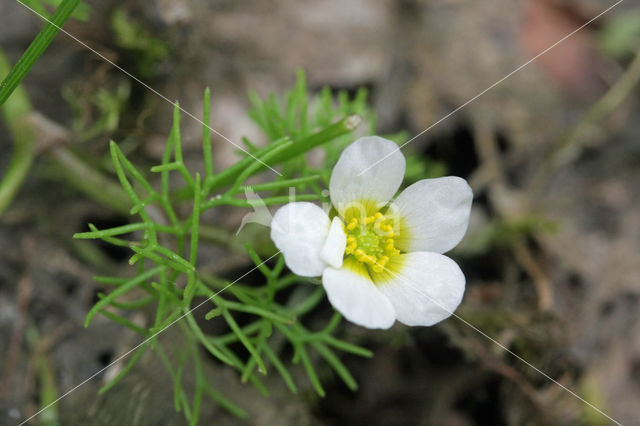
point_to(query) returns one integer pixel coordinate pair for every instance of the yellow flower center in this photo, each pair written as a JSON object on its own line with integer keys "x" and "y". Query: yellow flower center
{"x": 370, "y": 240}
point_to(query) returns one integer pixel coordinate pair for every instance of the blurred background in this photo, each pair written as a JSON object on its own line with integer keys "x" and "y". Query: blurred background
{"x": 552, "y": 153}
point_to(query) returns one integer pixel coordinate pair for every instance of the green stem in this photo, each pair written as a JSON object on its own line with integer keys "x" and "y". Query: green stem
{"x": 279, "y": 184}
{"x": 24, "y": 143}
{"x": 206, "y": 137}
{"x": 344, "y": 126}
{"x": 36, "y": 49}
{"x": 567, "y": 147}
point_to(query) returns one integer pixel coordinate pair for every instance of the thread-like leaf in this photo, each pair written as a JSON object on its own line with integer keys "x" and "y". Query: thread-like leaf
{"x": 122, "y": 289}
{"x": 125, "y": 370}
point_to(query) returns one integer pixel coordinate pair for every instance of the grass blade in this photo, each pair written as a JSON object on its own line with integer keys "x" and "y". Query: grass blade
{"x": 36, "y": 49}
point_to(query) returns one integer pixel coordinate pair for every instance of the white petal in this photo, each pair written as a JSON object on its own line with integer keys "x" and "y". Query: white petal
{"x": 383, "y": 165}
{"x": 299, "y": 230}
{"x": 423, "y": 287}
{"x": 354, "y": 295}
{"x": 333, "y": 249}
{"x": 434, "y": 214}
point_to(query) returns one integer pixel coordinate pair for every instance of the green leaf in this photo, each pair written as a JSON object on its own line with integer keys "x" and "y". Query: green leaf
{"x": 166, "y": 167}
{"x": 206, "y": 136}
{"x": 245, "y": 341}
{"x": 273, "y": 358}
{"x": 36, "y": 49}
{"x": 179, "y": 396}
{"x": 137, "y": 304}
{"x": 347, "y": 347}
{"x": 256, "y": 310}
{"x": 299, "y": 147}
{"x": 195, "y": 222}
{"x": 336, "y": 364}
{"x": 621, "y": 34}
{"x": 311, "y": 372}
{"x": 225, "y": 402}
{"x": 106, "y": 233}
{"x": 15, "y": 113}
{"x": 310, "y": 302}
{"x": 122, "y": 289}
{"x": 125, "y": 322}
{"x": 81, "y": 12}
{"x": 281, "y": 184}
{"x": 211, "y": 347}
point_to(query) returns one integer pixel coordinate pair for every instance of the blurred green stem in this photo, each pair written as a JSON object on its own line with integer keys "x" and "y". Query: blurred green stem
{"x": 607, "y": 103}
{"x": 36, "y": 49}
{"x": 567, "y": 148}
{"x": 24, "y": 146}
{"x": 16, "y": 111}
{"x": 90, "y": 181}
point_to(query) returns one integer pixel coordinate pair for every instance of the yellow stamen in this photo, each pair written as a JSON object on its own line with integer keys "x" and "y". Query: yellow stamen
{"x": 370, "y": 240}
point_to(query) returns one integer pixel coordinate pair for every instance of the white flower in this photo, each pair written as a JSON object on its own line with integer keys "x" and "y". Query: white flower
{"x": 380, "y": 260}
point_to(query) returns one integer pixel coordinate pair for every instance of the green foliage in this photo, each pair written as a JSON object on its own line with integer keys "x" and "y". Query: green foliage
{"x": 593, "y": 393}
{"x": 621, "y": 35}
{"x": 296, "y": 116}
{"x": 16, "y": 111}
{"x": 14, "y": 114}
{"x": 98, "y": 113}
{"x": 130, "y": 35}
{"x": 80, "y": 13}
{"x": 36, "y": 49}
{"x": 165, "y": 242}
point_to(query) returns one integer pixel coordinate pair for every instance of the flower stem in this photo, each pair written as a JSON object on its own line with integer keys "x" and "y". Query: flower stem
{"x": 342, "y": 127}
